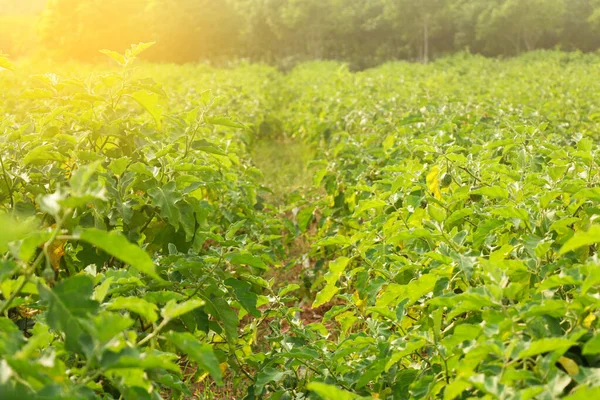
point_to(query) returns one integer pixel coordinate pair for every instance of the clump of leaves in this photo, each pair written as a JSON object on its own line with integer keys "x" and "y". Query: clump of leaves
{"x": 449, "y": 234}
{"x": 131, "y": 241}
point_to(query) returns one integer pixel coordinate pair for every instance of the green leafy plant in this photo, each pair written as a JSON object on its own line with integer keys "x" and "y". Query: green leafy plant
{"x": 445, "y": 247}
{"x": 131, "y": 256}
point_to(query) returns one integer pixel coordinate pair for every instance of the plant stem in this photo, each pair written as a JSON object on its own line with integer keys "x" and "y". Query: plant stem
{"x": 155, "y": 332}
{"x": 8, "y": 185}
{"x": 29, "y": 271}
{"x": 27, "y": 274}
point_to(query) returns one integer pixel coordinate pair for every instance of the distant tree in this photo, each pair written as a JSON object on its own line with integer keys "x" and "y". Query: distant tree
{"x": 190, "y": 30}
{"x": 579, "y": 26}
{"x": 417, "y": 22}
{"x": 594, "y": 16}
{"x": 464, "y": 15}
{"x": 260, "y": 39}
{"x": 520, "y": 24}
{"x": 362, "y": 32}
{"x": 79, "y": 28}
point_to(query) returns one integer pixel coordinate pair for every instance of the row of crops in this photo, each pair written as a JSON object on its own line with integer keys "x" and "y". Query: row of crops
{"x": 443, "y": 247}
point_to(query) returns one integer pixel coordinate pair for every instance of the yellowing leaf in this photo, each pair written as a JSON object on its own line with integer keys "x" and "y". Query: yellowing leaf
{"x": 56, "y": 253}
{"x": 356, "y": 298}
{"x": 223, "y": 367}
{"x": 336, "y": 268}
{"x": 589, "y": 320}
{"x": 433, "y": 182}
{"x": 569, "y": 365}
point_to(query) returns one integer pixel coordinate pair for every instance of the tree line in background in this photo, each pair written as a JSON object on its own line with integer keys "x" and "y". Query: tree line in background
{"x": 362, "y": 32}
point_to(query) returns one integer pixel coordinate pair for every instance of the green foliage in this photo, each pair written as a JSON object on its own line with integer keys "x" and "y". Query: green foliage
{"x": 121, "y": 268}
{"x": 446, "y": 246}
{"x": 362, "y": 32}
{"x": 463, "y": 207}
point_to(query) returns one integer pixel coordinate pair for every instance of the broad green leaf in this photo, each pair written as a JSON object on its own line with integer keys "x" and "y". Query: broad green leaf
{"x": 11, "y": 338}
{"x": 201, "y": 353}
{"x": 546, "y": 345}
{"x": 400, "y": 353}
{"x": 132, "y": 358}
{"x": 511, "y": 212}
{"x": 287, "y": 289}
{"x": 334, "y": 240}
{"x": 494, "y": 192}
{"x": 223, "y": 313}
{"x": 592, "y": 346}
{"x": 412, "y": 291}
{"x": 246, "y": 259}
{"x": 372, "y": 373}
{"x": 330, "y": 392}
{"x": 267, "y": 376}
{"x": 437, "y": 213}
{"x": 483, "y": 230}
{"x": 69, "y": 305}
{"x": 368, "y": 205}
{"x": 589, "y": 194}
{"x": 146, "y": 310}
{"x": 117, "y": 245}
{"x": 456, "y": 388}
{"x": 118, "y": 165}
{"x": 244, "y": 294}
{"x": 27, "y": 247}
{"x": 101, "y": 290}
{"x": 458, "y": 215}
{"x": 108, "y": 325}
{"x": 582, "y": 238}
{"x": 234, "y": 228}
{"x": 166, "y": 199}
{"x": 174, "y": 310}
{"x": 12, "y": 230}
{"x": 207, "y": 147}
{"x": 325, "y": 295}
{"x": 150, "y": 102}
{"x": 43, "y": 154}
{"x": 584, "y": 393}
{"x": 224, "y": 121}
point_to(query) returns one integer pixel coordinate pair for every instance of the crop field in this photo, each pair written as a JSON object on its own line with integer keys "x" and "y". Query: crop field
{"x": 405, "y": 232}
